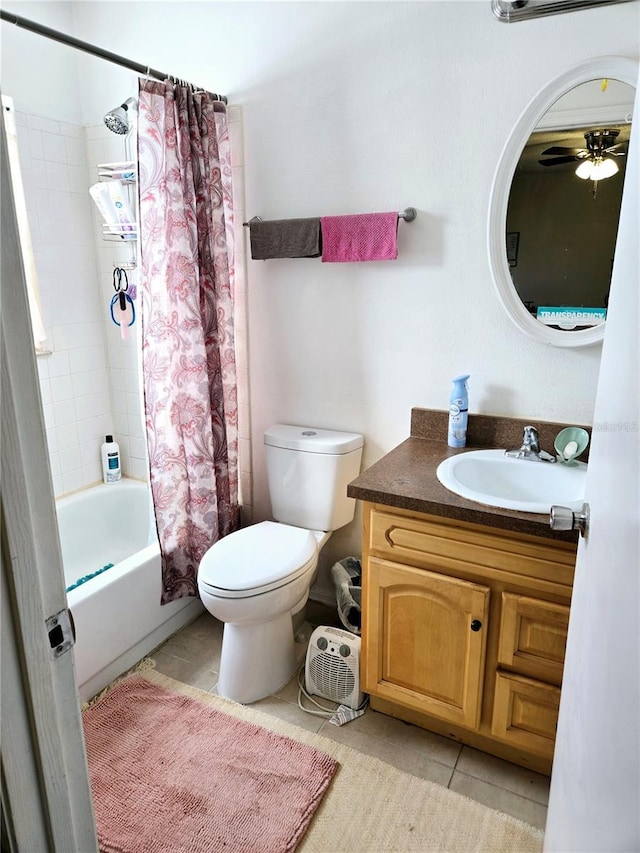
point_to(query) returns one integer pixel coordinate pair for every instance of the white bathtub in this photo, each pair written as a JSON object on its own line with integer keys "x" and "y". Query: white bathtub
{"x": 118, "y": 615}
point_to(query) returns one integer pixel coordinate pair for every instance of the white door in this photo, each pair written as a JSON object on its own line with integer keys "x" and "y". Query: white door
{"x": 594, "y": 802}
{"x": 46, "y": 802}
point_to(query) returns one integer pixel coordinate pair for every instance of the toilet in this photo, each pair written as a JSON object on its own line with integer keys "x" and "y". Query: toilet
{"x": 257, "y": 579}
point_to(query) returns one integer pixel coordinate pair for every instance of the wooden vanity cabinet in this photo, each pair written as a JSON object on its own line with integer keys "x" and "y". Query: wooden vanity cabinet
{"x": 464, "y": 630}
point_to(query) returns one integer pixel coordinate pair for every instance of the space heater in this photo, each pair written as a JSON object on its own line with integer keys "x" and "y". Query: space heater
{"x": 332, "y": 667}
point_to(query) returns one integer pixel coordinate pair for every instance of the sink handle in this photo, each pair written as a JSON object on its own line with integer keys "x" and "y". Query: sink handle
{"x": 563, "y": 518}
{"x": 530, "y": 439}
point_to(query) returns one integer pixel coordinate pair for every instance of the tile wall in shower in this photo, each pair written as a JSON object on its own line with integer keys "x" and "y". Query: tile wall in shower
{"x": 76, "y": 378}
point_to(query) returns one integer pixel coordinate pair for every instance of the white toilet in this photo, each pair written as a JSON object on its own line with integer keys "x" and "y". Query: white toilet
{"x": 257, "y": 579}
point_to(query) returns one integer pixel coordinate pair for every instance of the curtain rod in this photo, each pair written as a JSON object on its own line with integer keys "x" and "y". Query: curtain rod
{"x": 63, "y": 38}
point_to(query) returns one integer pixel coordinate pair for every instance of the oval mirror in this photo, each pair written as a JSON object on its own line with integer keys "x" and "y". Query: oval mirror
{"x": 555, "y": 203}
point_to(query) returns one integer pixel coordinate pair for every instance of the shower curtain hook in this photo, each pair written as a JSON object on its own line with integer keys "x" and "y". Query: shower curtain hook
{"x": 142, "y": 81}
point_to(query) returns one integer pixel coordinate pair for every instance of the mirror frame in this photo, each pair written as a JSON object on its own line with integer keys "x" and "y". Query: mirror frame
{"x": 611, "y": 67}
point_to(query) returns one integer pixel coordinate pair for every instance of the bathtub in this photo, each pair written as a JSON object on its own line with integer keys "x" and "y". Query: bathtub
{"x": 117, "y": 614}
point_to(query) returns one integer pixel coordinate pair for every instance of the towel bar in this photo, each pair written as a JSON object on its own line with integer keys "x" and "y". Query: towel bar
{"x": 408, "y": 214}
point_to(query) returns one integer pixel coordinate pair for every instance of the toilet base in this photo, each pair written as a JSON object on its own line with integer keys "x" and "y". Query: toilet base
{"x": 256, "y": 659}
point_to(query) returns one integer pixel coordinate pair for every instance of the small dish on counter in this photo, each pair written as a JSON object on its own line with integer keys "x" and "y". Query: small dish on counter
{"x": 570, "y": 443}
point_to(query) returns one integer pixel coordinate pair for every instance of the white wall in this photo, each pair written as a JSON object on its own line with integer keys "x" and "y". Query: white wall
{"x": 353, "y": 107}
{"x": 40, "y": 74}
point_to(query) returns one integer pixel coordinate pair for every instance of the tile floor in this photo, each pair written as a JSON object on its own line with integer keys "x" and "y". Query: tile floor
{"x": 192, "y": 656}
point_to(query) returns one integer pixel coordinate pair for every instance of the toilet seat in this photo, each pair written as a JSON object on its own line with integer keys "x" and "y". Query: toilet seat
{"x": 257, "y": 559}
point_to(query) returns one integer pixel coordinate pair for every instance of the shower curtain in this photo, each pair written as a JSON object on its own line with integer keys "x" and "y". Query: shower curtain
{"x": 189, "y": 377}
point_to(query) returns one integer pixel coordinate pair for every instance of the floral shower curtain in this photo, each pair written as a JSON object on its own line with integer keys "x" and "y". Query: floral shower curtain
{"x": 189, "y": 377}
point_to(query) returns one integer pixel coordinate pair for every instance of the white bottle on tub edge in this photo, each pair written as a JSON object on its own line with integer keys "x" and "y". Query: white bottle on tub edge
{"x": 110, "y": 453}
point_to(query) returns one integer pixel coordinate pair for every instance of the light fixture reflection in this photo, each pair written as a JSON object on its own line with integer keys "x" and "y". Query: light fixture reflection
{"x": 597, "y": 170}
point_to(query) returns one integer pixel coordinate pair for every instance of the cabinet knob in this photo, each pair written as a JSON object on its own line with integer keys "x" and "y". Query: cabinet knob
{"x": 476, "y": 625}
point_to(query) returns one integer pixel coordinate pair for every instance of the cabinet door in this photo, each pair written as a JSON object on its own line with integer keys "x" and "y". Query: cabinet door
{"x": 525, "y": 713}
{"x": 426, "y": 640}
{"x": 533, "y": 636}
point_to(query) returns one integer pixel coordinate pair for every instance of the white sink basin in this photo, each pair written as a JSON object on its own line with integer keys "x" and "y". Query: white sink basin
{"x": 491, "y": 478}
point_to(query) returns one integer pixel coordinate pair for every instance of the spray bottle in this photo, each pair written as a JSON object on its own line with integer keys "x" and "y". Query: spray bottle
{"x": 458, "y": 412}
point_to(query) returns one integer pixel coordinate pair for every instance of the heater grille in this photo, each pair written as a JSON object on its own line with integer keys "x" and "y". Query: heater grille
{"x": 332, "y": 676}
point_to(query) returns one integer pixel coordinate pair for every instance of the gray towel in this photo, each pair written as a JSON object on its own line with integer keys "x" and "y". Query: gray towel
{"x": 285, "y": 238}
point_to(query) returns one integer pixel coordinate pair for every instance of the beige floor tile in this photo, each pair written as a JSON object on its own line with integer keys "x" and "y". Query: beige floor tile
{"x": 408, "y": 760}
{"x": 500, "y": 799}
{"x": 200, "y": 642}
{"x": 518, "y": 780}
{"x": 401, "y": 734}
{"x": 289, "y": 712}
{"x": 289, "y": 693}
{"x": 199, "y": 675}
{"x": 301, "y": 652}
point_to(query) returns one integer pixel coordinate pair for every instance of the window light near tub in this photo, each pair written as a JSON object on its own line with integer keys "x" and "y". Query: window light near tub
{"x": 24, "y": 232}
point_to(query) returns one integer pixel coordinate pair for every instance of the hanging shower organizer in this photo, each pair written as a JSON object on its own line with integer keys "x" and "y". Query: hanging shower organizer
{"x": 119, "y": 201}
{"x": 126, "y": 174}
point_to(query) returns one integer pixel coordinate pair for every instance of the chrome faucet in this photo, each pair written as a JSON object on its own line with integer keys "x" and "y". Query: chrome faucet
{"x": 530, "y": 448}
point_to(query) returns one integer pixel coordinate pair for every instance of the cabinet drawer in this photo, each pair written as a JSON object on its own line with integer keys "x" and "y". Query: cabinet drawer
{"x": 525, "y": 713}
{"x": 433, "y": 543}
{"x": 533, "y": 636}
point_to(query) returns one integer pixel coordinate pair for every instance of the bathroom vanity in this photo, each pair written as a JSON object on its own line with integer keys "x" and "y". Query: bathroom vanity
{"x": 465, "y": 608}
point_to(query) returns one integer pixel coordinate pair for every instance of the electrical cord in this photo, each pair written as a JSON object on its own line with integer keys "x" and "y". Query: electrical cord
{"x": 324, "y": 712}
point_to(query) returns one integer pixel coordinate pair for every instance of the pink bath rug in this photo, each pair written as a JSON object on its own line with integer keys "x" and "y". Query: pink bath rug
{"x": 170, "y": 773}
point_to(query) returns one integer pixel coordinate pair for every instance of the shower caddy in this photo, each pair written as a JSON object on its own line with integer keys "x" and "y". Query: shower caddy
{"x": 126, "y": 173}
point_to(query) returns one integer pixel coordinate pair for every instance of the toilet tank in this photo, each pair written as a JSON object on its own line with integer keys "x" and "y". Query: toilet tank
{"x": 308, "y": 470}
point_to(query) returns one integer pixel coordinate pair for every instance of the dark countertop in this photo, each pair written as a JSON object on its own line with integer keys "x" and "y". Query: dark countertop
{"x": 405, "y": 477}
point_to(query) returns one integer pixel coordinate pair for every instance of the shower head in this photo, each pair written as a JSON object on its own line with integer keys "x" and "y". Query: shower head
{"x": 117, "y": 120}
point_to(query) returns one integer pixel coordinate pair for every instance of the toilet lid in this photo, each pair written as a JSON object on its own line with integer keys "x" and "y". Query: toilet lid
{"x": 256, "y": 559}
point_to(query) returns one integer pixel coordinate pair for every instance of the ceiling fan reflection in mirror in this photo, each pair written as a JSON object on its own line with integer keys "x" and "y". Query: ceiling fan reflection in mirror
{"x": 596, "y": 161}
{"x": 601, "y": 144}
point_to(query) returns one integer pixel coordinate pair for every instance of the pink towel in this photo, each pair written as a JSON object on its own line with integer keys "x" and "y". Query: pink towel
{"x": 362, "y": 237}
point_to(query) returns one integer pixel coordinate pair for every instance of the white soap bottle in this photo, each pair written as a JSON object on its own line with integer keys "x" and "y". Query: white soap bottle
{"x": 110, "y": 453}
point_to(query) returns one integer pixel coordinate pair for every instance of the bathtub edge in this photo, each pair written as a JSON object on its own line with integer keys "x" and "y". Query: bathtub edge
{"x": 93, "y": 685}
